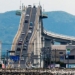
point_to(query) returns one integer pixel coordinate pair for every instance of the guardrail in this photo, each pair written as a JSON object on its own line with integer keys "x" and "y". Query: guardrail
{"x": 18, "y": 32}
{"x": 34, "y": 30}
{"x": 59, "y": 35}
{"x": 34, "y": 35}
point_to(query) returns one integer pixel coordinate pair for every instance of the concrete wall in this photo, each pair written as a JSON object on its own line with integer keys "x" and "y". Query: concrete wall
{"x": 55, "y": 54}
{"x": 36, "y": 40}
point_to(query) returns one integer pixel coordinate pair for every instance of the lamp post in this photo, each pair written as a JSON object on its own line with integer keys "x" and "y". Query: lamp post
{"x": 40, "y": 60}
{"x": 68, "y": 54}
{"x": 55, "y": 56}
{"x": 50, "y": 55}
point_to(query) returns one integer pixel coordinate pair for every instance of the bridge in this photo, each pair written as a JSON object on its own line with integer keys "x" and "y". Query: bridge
{"x": 31, "y": 38}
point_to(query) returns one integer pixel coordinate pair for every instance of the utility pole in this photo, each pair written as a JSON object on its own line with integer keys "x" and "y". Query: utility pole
{"x": 7, "y": 57}
{"x": 40, "y": 60}
{"x": 50, "y": 55}
{"x": 20, "y": 4}
{"x": 0, "y": 50}
{"x": 55, "y": 57}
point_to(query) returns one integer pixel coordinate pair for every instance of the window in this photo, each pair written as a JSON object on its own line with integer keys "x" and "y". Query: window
{"x": 33, "y": 6}
{"x": 24, "y": 48}
{"x": 69, "y": 57}
{"x": 18, "y": 49}
{"x": 57, "y": 56}
{"x": 19, "y": 43}
{"x": 29, "y": 5}
{"x": 22, "y": 33}
{"x": 22, "y": 58}
{"x": 60, "y": 52}
{"x": 30, "y": 27}
{"x": 27, "y": 15}
{"x": 31, "y": 23}
{"x": 29, "y": 31}
{"x": 26, "y": 21}
{"x": 53, "y": 57}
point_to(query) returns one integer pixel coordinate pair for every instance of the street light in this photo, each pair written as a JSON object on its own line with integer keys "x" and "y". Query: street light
{"x": 40, "y": 60}
{"x": 55, "y": 56}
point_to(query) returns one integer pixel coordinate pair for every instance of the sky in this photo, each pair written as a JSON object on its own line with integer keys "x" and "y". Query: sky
{"x": 47, "y": 5}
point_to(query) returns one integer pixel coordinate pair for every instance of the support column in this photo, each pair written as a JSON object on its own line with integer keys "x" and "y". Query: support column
{"x": 43, "y": 41}
{"x": 38, "y": 43}
{"x": 35, "y": 50}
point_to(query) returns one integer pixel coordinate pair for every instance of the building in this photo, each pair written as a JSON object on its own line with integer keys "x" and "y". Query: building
{"x": 57, "y": 52}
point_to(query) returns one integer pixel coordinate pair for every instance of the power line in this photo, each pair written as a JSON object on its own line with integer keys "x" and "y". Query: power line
{"x": 17, "y": 44}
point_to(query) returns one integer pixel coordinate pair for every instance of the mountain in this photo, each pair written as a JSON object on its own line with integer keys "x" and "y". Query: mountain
{"x": 9, "y": 23}
{"x": 58, "y": 21}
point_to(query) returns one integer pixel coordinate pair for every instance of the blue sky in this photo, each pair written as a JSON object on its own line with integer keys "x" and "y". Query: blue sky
{"x": 48, "y": 5}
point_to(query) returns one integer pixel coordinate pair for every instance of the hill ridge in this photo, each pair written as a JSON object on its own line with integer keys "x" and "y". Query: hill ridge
{"x": 58, "y": 22}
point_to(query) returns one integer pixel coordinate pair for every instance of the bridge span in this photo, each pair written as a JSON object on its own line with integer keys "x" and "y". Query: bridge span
{"x": 27, "y": 40}
{"x": 31, "y": 38}
{"x": 62, "y": 39}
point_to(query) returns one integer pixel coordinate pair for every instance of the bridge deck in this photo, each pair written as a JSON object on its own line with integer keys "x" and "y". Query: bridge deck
{"x": 55, "y": 35}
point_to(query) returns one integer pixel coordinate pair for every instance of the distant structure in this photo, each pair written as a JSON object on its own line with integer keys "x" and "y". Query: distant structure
{"x": 32, "y": 41}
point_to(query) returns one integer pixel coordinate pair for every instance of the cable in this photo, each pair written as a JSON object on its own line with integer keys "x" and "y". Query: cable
{"x": 17, "y": 44}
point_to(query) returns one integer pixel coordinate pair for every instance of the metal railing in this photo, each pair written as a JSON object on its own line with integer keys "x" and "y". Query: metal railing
{"x": 34, "y": 30}
{"x": 59, "y": 35}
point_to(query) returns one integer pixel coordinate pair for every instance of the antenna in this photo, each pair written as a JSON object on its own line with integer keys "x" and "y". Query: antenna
{"x": 39, "y": 3}
{"x": 20, "y": 4}
{"x": 43, "y": 8}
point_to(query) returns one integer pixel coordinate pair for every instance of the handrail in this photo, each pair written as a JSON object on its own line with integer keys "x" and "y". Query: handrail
{"x": 33, "y": 34}
{"x": 31, "y": 39}
{"x": 34, "y": 31}
{"x": 59, "y": 35}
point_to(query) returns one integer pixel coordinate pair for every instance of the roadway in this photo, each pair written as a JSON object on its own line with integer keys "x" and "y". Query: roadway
{"x": 23, "y": 36}
{"x": 23, "y": 41}
{"x": 26, "y": 42}
{"x": 59, "y": 36}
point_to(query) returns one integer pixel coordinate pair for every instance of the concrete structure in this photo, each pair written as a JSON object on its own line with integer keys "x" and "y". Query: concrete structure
{"x": 36, "y": 39}
{"x": 70, "y": 55}
{"x": 31, "y": 39}
{"x": 57, "y": 51}
{"x": 62, "y": 39}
